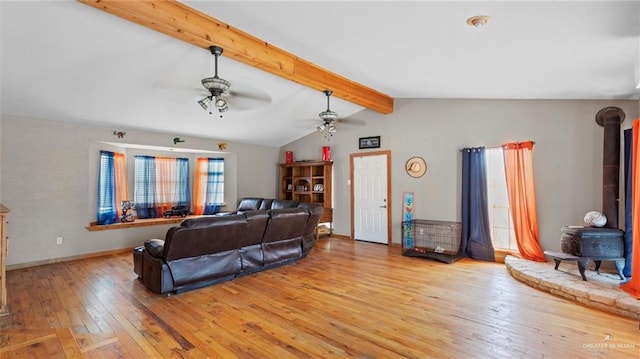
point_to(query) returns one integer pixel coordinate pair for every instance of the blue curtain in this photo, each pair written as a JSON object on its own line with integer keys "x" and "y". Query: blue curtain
{"x": 628, "y": 234}
{"x": 183, "y": 191}
{"x": 215, "y": 186}
{"x": 476, "y": 236}
{"x": 145, "y": 187}
{"x": 107, "y": 211}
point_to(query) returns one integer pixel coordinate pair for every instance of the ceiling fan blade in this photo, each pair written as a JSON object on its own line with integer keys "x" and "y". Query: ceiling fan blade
{"x": 239, "y": 103}
{"x": 255, "y": 96}
{"x": 351, "y": 122}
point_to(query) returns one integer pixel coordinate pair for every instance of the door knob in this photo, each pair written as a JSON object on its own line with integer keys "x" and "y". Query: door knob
{"x": 383, "y": 206}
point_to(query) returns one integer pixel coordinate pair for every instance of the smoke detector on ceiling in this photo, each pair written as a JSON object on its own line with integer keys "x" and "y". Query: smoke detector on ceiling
{"x": 478, "y": 20}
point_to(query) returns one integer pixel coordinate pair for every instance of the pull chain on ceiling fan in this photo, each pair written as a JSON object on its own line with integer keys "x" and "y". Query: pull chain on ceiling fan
{"x": 216, "y": 87}
{"x": 328, "y": 127}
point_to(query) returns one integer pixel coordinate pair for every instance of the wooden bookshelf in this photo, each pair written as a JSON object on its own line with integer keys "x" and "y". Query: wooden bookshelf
{"x": 308, "y": 181}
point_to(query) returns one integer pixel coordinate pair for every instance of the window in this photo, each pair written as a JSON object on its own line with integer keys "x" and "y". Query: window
{"x": 159, "y": 184}
{"x": 112, "y": 186}
{"x": 500, "y": 221}
{"x": 208, "y": 193}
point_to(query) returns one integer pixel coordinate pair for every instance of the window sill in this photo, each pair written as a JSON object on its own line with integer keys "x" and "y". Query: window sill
{"x": 93, "y": 226}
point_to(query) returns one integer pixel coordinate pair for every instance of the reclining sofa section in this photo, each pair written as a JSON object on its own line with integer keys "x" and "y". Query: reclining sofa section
{"x": 261, "y": 234}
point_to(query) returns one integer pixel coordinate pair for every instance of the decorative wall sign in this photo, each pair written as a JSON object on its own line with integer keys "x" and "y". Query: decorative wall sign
{"x": 369, "y": 142}
{"x": 407, "y": 216}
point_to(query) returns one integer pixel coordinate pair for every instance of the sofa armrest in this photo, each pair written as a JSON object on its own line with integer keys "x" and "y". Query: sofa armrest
{"x": 155, "y": 247}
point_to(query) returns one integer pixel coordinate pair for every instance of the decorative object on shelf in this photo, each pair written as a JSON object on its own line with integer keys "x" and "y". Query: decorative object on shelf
{"x": 326, "y": 153}
{"x": 318, "y": 187}
{"x": 595, "y": 219}
{"x": 127, "y": 205}
{"x": 181, "y": 211}
{"x": 119, "y": 134}
{"x": 369, "y": 142}
{"x": 288, "y": 157}
{"x": 416, "y": 167}
{"x": 177, "y": 140}
{"x": 222, "y": 146}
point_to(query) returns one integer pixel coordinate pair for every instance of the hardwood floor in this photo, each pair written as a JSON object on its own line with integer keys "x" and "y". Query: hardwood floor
{"x": 346, "y": 299}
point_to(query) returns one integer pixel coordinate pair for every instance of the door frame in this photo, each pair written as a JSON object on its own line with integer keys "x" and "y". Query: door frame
{"x": 389, "y": 202}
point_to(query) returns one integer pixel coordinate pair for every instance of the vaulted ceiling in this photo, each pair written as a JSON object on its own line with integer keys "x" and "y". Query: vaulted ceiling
{"x": 64, "y": 60}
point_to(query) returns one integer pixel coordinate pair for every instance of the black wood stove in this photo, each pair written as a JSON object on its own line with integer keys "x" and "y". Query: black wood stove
{"x": 588, "y": 243}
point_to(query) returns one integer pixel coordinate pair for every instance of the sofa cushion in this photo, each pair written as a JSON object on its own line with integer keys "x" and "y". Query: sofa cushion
{"x": 256, "y": 225}
{"x": 249, "y": 204}
{"x": 266, "y": 203}
{"x": 284, "y": 203}
{"x": 155, "y": 247}
{"x": 286, "y": 223}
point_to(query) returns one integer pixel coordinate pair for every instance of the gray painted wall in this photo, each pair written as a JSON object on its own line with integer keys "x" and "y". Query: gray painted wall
{"x": 48, "y": 180}
{"x": 53, "y": 197}
{"x": 567, "y": 154}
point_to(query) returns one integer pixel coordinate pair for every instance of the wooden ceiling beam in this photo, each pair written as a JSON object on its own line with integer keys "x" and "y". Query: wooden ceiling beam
{"x": 190, "y": 25}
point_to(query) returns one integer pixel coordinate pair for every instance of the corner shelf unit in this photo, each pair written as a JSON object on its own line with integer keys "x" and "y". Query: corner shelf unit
{"x": 308, "y": 181}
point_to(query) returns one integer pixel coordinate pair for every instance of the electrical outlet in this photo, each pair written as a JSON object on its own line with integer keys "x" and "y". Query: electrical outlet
{"x": 59, "y": 240}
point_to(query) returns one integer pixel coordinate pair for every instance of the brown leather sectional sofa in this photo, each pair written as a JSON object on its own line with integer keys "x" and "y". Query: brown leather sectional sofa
{"x": 261, "y": 234}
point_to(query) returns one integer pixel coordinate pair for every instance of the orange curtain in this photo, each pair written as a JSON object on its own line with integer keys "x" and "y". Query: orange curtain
{"x": 122, "y": 191}
{"x": 633, "y": 285}
{"x": 518, "y": 162}
{"x": 165, "y": 183}
{"x": 200, "y": 186}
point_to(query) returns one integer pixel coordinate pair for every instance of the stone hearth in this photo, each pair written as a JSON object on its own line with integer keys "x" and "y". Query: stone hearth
{"x": 600, "y": 291}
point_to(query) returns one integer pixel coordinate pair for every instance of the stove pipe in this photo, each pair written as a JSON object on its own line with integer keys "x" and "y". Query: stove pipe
{"x": 610, "y": 118}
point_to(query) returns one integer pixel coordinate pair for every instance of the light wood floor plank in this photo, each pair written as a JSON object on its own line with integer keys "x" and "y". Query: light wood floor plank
{"x": 345, "y": 299}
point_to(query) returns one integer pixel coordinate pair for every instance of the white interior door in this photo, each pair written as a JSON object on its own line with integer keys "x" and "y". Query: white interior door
{"x": 370, "y": 198}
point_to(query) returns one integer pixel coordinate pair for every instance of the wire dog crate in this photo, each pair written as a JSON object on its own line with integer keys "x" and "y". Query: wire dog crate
{"x": 437, "y": 240}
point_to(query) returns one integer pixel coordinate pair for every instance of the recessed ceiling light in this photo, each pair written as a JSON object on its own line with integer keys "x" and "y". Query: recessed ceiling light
{"x": 478, "y": 20}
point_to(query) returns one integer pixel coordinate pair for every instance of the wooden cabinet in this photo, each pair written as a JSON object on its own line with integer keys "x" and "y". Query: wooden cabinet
{"x": 309, "y": 181}
{"x": 3, "y": 260}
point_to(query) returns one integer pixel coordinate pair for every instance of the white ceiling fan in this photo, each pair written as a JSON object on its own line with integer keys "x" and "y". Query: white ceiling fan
{"x": 220, "y": 95}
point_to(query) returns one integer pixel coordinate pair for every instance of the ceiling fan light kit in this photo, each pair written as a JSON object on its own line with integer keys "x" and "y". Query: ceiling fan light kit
{"x": 216, "y": 87}
{"x": 328, "y": 127}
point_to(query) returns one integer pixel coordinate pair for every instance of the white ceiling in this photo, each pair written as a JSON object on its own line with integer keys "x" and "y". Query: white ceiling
{"x": 62, "y": 60}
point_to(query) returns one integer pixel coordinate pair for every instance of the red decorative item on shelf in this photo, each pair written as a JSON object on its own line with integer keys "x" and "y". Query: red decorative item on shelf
{"x": 326, "y": 153}
{"x": 288, "y": 157}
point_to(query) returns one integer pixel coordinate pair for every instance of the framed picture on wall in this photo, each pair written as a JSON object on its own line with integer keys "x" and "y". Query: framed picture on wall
{"x": 369, "y": 142}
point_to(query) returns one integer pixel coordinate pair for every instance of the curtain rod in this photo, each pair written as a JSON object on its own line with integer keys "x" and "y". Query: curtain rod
{"x": 492, "y": 147}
